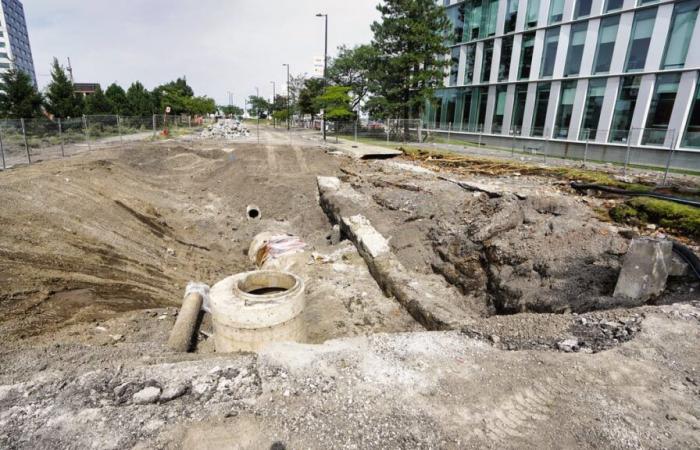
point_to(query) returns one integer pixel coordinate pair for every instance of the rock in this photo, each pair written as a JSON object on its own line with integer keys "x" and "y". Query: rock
{"x": 645, "y": 270}
{"x": 569, "y": 345}
{"x": 170, "y": 251}
{"x": 173, "y": 392}
{"x": 146, "y": 396}
{"x": 335, "y": 235}
{"x": 678, "y": 267}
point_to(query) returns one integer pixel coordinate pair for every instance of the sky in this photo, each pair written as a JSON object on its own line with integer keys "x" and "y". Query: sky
{"x": 220, "y": 46}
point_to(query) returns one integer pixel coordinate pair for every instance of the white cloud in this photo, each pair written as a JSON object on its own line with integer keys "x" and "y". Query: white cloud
{"x": 220, "y": 46}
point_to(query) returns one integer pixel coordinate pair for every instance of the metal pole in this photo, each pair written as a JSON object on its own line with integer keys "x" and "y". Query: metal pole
{"x": 512, "y": 145}
{"x": 189, "y": 121}
{"x": 480, "y": 130}
{"x": 2, "y": 153}
{"x": 449, "y": 132}
{"x": 325, "y": 68}
{"x": 627, "y": 155}
{"x": 670, "y": 156}
{"x": 274, "y": 95}
{"x": 585, "y": 151}
{"x": 26, "y": 144}
{"x": 87, "y": 132}
{"x": 546, "y": 144}
{"x": 119, "y": 128}
{"x": 356, "y": 130}
{"x": 60, "y": 135}
{"x": 154, "y": 126}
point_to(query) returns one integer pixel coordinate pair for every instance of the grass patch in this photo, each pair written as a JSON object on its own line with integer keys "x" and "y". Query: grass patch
{"x": 673, "y": 216}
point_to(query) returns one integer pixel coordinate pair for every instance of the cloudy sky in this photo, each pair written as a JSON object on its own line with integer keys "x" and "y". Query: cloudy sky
{"x": 221, "y": 46}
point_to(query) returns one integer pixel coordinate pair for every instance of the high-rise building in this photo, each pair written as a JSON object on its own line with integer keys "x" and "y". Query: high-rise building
{"x": 14, "y": 39}
{"x": 615, "y": 73}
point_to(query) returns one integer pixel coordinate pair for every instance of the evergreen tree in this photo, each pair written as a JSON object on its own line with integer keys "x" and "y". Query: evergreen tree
{"x": 139, "y": 99}
{"x": 18, "y": 96}
{"x": 61, "y": 99}
{"x": 410, "y": 44}
{"x": 116, "y": 97}
{"x": 97, "y": 103}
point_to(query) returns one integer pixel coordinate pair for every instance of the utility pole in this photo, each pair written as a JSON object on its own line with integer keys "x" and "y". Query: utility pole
{"x": 325, "y": 68}
{"x": 257, "y": 110}
{"x": 289, "y": 117}
{"x": 272, "y": 107}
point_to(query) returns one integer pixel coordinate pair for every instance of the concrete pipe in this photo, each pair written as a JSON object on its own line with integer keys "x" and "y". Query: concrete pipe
{"x": 182, "y": 334}
{"x": 252, "y": 309}
{"x": 253, "y": 212}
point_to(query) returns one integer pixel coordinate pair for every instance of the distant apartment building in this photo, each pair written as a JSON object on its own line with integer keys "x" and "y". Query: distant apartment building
{"x": 613, "y": 73}
{"x": 86, "y": 89}
{"x": 14, "y": 39}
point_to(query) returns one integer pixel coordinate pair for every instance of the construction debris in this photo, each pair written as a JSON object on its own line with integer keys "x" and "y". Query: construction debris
{"x": 225, "y": 129}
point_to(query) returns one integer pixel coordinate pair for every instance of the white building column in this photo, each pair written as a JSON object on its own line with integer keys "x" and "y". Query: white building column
{"x": 578, "y": 109}
{"x": 624, "y": 30}
{"x": 529, "y": 109}
{"x": 589, "y": 48}
{"x": 681, "y": 109}
{"x": 646, "y": 91}
{"x": 490, "y": 107}
{"x": 608, "y": 110}
{"x": 659, "y": 36}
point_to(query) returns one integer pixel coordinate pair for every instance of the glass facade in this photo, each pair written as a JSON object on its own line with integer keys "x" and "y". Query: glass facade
{"x": 577, "y": 41}
{"x": 685, "y": 15}
{"x": 454, "y": 66}
{"x": 593, "y": 108}
{"x": 511, "y": 15}
{"x": 583, "y": 8}
{"x": 556, "y": 11}
{"x": 506, "y": 54}
{"x": 499, "y": 109}
{"x": 486, "y": 62}
{"x": 607, "y": 36}
{"x": 661, "y": 108}
{"x": 566, "y": 109}
{"x": 541, "y": 105}
{"x": 691, "y": 138}
{"x": 527, "y": 51}
{"x": 533, "y": 12}
{"x": 642, "y": 29}
{"x": 613, "y": 5}
{"x": 469, "y": 60}
{"x": 624, "y": 109}
{"x": 549, "y": 55}
{"x": 16, "y": 38}
{"x": 519, "y": 107}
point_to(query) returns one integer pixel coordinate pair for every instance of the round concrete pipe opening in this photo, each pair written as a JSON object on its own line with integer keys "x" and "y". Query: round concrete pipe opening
{"x": 266, "y": 285}
{"x": 253, "y": 213}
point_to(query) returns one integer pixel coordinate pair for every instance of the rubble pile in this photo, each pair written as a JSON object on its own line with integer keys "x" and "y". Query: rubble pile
{"x": 225, "y": 129}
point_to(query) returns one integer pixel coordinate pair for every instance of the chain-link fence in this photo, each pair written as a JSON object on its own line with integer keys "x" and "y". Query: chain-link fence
{"x": 26, "y": 141}
{"x": 392, "y": 130}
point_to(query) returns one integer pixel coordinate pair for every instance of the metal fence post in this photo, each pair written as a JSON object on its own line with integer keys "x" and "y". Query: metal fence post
{"x": 585, "y": 151}
{"x": 480, "y": 130}
{"x": 87, "y": 132}
{"x": 388, "y": 131}
{"x": 512, "y": 144}
{"x": 670, "y": 156}
{"x": 355, "y": 130}
{"x": 26, "y": 144}
{"x": 449, "y": 132}
{"x": 60, "y": 137}
{"x": 154, "y": 126}
{"x": 546, "y": 144}
{"x": 189, "y": 121}
{"x": 629, "y": 149}
{"x": 2, "y": 152}
{"x": 119, "y": 128}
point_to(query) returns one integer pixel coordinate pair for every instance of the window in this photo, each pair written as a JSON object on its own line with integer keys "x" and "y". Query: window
{"x": 519, "y": 107}
{"x": 624, "y": 109}
{"x": 577, "y": 40}
{"x": 566, "y": 108}
{"x": 642, "y": 29}
{"x": 593, "y": 108}
{"x": 483, "y": 97}
{"x": 684, "y": 16}
{"x": 661, "y": 108}
{"x": 506, "y": 53}
{"x": 533, "y": 12}
{"x": 551, "y": 42}
{"x": 541, "y": 105}
{"x": 606, "y": 44}
{"x": 490, "y": 18}
{"x": 556, "y": 11}
{"x": 475, "y": 21}
{"x": 451, "y": 106}
{"x": 526, "y": 53}
{"x": 511, "y": 15}
{"x": 454, "y": 66}
{"x": 499, "y": 110}
{"x": 486, "y": 62}
{"x": 456, "y": 16}
{"x": 583, "y": 8}
{"x": 469, "y": 64}
{"x": 466, "y": 109}
{"x": 692, "y": 133}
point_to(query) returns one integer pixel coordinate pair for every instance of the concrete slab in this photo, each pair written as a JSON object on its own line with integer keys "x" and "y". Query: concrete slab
{"x": 364, "y": 151}
{"x": 645, "y": 270}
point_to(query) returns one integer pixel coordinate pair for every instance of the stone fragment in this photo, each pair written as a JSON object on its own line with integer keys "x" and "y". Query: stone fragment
{"x": 569, "y": 345}
{"x": 645, "y": 270}
{"x": 146, "y": 396}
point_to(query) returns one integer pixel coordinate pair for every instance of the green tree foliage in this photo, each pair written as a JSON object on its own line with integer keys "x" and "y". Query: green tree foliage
{"x": 139, "y": 100}
{"x": 335, "y": 101}
{"x": 61, "y": 99}
{"x": 97, "y": 103}
{"x": 312, "y": 89}
{"x": 258, "y": 106}
{"x": 410, "y": 43}
{"x": 353, "y": 68}
{"x": 200, "y": 106}
{"x": 116, "y": 97}
{"x": 230, "y": 110}
{"x": 18, "y": 96}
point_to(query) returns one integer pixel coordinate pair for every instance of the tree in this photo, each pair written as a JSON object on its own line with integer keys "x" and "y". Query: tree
{"x": 353, "y": 68}
{"x": 200, "y": 105}
{"x": 61, "y": 99}
{"x": 97, "y": 103}
{"x": 116, "y": 97}
{"x": 230, "y": 110}
{"x": 410, "y": 44}
{"x": 139, "y": 100}
{"x": 18, "y": 96}
{"x": 335, "y": 101}
{"x": 258, "y": 106}
{"x": 313, "y": 88}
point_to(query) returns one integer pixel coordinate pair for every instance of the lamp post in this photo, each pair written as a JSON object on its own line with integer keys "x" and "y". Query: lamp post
{"x": 288, "y": 113}
{"x": 272, "y": 105}
{"x": 325, "y": 67}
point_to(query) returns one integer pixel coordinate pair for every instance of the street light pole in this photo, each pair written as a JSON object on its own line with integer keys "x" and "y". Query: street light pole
{"x": 288, "y": 112}
{"x": 272, "y": 107}
{"x": 257, "y": 110}
{"x": 325, "y": 68}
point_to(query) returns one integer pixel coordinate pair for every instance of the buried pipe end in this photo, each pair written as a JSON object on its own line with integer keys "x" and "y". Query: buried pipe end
{"x": 253, "y": 212}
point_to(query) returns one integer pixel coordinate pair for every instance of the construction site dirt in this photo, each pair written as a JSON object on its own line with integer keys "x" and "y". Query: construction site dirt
{"x": 516, "y": 339}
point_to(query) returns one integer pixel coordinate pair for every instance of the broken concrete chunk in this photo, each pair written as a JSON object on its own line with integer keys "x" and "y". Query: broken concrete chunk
{"x": 146, "y": 396}
{"x": 645, "y": 270}
{"x": 678, "y": 267}
{"x": 369, "y": 238}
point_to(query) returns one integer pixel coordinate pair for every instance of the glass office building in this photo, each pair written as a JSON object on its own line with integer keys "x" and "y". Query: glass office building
{"x": 613, "y": 72}
{"x": 14, "y": 39}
